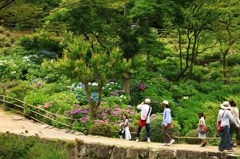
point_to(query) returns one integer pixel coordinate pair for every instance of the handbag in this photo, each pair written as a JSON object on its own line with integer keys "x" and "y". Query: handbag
{"x": 171, "y": 125}
{"x": 141, "y": 122}
{"x": 219, "y": 128}
{"x": 202, "y": 129}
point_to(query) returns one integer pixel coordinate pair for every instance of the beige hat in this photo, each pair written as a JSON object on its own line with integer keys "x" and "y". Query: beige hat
{"x": 165, "y": 102}
{"x": 147, "y": 100}
{"x": 225, "y": 105}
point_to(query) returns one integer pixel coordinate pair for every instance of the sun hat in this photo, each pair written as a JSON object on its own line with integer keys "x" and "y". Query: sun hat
{"x": 225, "y": 105}
{"x": 147, "y": 100}
{"x": 165, "y": 102}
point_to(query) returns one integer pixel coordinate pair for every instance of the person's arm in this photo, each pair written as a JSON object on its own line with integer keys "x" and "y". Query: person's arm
{"x": 164, "y": 117}
{"x": 237, "y": 112}
{"x": 140, "y": 105}
{"x": 219, "y": 118}
{"x": 232, "y": 118}
{"x": 200, "y": 123}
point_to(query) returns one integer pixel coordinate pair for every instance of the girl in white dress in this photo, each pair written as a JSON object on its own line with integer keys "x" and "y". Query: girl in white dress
{"x": 202, "y": 123}
{"x": 125, "y": 127}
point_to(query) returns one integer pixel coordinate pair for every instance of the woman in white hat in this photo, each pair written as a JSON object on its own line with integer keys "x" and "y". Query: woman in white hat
{"x": 167, "y": 120}
{"x": 225, "y": 116}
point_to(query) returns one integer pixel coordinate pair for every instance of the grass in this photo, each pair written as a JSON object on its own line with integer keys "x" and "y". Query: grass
{"x": 21, "y": 147}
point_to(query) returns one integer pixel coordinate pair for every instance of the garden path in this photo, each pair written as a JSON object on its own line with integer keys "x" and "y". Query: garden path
{"x": 15, "y": 123}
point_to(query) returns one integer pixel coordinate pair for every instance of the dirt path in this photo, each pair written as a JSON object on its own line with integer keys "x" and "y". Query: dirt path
{"x": 14, "y": 123}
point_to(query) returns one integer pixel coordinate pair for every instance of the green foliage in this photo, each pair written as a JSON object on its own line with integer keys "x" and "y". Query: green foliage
{"x": 156, "y": 130}
{"x": 20, "y": 90}
{"x": 102, "y": 129}
{"x": 13, "y": 146}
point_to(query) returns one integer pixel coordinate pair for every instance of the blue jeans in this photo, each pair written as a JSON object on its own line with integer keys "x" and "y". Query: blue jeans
{"x": 225, "y": 143}
{"x": 147, "y": 128}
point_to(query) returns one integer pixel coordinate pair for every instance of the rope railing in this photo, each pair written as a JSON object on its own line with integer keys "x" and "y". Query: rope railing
{"x": 3, "y": 99}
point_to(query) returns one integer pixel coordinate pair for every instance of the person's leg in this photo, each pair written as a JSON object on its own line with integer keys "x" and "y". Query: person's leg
{"x": 167, "y": 138}
{"x": 138, "y": 133}
{"x": 148, "y": 129}
{"x": 223, "y": 142}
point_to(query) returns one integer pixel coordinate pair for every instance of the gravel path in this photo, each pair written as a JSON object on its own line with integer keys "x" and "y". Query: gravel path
{"x": 14, "y": 123}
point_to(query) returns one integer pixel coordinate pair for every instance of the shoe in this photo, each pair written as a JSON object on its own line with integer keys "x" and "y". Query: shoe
{"x": 165, "y": 144}
{"x": 235, "y": 145}
{"x": 171, "y": 142}
{"x": 137, "y": 139}
{"x": 204, "y": 144}
{"x": 148, "y": 140}
{"x": 231, "y": 150}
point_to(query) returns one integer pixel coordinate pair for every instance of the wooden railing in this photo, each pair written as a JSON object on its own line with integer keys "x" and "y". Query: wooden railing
{"x": 45, "y": 114}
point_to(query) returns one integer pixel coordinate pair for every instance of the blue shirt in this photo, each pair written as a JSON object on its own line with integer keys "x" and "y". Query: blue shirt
{"x": 167, "y": 119}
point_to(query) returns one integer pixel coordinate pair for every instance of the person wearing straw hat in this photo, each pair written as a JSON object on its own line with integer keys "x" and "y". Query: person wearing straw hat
{"x": 225, "y": 116}
{"x": 167, "y": 120}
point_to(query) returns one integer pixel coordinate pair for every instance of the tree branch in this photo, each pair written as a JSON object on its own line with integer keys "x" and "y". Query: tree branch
{"x": 6, "y": 3}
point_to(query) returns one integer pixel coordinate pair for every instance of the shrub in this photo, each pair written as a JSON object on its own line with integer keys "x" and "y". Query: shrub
{"x": 102, "y": 129}
{"x": 156, "y": 130}
{"x": 14, "y": 146}
{"x": 20, "y": 90}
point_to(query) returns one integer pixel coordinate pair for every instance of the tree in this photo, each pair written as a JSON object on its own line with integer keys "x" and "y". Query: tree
{"x": 25, "y": 13}
{"x": 227, "y": 30}
{"x": 84, "y": 64}
{"x": 200, "y": 16}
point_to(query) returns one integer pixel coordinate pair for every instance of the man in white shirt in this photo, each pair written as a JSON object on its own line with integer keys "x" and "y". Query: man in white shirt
{"x": 145, "y": 116}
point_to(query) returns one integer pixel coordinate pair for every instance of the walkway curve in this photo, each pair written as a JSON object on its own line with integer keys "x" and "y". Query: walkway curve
{"x": 14, "y": 123}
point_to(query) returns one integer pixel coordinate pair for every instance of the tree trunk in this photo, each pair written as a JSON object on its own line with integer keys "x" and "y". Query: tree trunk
{"x": 224, "y": 68}
{"x": 193, "y": 54}
{"x": 126, "y": 84}
{"x": 92, "y": 109}
{"x": 180, "y": 49}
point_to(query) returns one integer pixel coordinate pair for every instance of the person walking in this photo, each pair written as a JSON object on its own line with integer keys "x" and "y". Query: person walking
{"x": 235, "y": 112}
{"x": 225, "y": 116}
{"x": 145, "y": 117}
{"x": 125, "y": 132}
{"x": 201, "y": 135}
{"x": 167, "y": 121}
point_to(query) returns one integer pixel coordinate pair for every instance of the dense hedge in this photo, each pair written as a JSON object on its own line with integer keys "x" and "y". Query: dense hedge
{"x": 19, "y": 147}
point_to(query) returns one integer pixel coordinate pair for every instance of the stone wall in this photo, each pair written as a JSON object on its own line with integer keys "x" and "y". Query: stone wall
{"x": 100, "y": 151}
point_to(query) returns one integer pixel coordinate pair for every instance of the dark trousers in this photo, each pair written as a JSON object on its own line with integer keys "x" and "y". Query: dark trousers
{"x": 225, "y": 143}
{"x": 166, "y": 137}
{"x": 233, "y": 129}
{"x": 147, "y": 128}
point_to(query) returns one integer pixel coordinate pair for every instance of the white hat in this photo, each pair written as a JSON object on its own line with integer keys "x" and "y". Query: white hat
{"x": 147, "y": 100}
{"x": 165, "y": 102}
{"x": 225, "y": 105}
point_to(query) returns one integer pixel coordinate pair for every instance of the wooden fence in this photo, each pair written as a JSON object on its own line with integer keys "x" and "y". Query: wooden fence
{"x": 46, "y": 114}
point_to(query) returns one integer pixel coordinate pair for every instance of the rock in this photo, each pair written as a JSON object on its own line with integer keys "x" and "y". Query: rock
{"x": 167, "y": 154}
{"x": 231, "y": 156}
{"x": 44, "y": 126}
{"x": 79, "y": 133}
{"x": 132, "y": 153}
{"x": 18, "y": 118}
{"x": 118, "y": 153}
{"x": 103, "y": 151}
